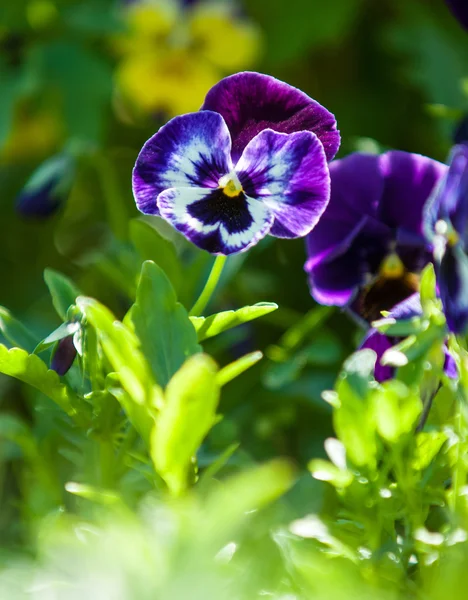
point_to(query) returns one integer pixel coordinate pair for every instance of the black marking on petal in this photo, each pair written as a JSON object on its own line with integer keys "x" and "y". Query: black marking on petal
{"x": 216, "y": 207}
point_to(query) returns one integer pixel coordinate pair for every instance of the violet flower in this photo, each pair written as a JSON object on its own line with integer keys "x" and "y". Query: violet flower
{"x": 257, "y": 165}
{"x": 380, "y": 343}
{"x": 446, "y": 227}
{"x": 368, "y": 249}
{"x": 64, "y": 355}
{"x": 459, "y": 9}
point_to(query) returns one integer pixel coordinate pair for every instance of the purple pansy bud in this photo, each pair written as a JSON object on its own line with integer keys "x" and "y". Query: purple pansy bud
{"x": 380, "y": 343}
{"x": 446, "y": 227}
{"x": 64, "y": 355}
{"x": 459, "y": 9}
{"x": 47, "y": 188}
{"x": 279, "y": 184}
{"x": 368, "y": 248}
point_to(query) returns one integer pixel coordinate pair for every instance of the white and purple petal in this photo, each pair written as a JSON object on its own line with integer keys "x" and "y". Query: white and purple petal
{"x": 251, "y": 102}
{"x": 289, "y": 174}
{"x": 214, "y": 221}
{"x": 192, "y": 150}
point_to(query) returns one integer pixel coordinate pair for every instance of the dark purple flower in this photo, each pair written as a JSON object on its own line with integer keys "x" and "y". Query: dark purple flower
{"x": 460, "y": 135}
{"x": 47, "y": 188}
{"x": 459, "y": 9}
{"x": 380, "y": 343}
{"x": 64, "y": 355}
{"x": 251, "y": 102}
{"x": 185, "y": 173}
{"x": 368, "y": 248}
{"x": 446, "y": 227}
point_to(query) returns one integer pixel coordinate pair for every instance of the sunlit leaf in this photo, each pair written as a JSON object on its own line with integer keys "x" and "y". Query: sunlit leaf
{"x": 162, "y": 324}
{"x": 207, "y": 327}
{"x": 189, "y": 412}
{"x": 15, "y": 332}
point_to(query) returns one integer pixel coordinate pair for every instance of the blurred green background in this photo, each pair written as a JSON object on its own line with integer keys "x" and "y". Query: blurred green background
{"x": 102, "y": 76}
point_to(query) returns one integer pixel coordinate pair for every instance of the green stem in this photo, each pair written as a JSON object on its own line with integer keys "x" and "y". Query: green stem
{"x": 210, "y": 286}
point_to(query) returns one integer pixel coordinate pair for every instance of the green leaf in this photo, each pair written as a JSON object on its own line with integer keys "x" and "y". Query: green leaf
{"x": 162, "y": 324}
{"x": 151, "y": 245}
{"x": 428, "y": 445}
{"x": 396, "y": 410}
{"x": 354, "y": 417}
{"x": 234, "y": 369}
{"x": 33, "y": 371}
{"x": 15, "y": 332}
{"x": 401, "y": 327}
{"x": 189, "y": 412}
{"x": 207, "y": 327}
{"x": 326, "y": 471}
{"x": 63, "y": 291}
{"x": 427, "y": 287}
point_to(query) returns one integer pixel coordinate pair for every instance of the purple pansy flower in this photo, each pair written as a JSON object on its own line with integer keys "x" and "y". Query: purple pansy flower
{"x": 226, "y": 178}
{"x": 459, "y": 9}
{"x": 368, "y": 248}
{"x": 446, "y": 227}
{"x": 380, "y": 343}
{"x": 64, "y": 355}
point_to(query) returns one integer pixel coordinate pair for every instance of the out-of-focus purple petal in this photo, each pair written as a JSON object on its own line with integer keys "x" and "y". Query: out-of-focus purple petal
{"x": 450, "y": 365}
{"x": 215, "y": 222}
{"x": 64, "y": 355}
{"x": 289, "y": 174}
{"x": 459, "y": 9}
{"x": 450, "y": 200}
{"x": 356, "y": 187}
{"x": 452, "y": 280}
{"x": 251, "y": 102}
{"x": 379, "y": 343}
{"x": 409, "y": 308}
{"x": 335, "y": 283}
{"x": 409, "y": 180}
{"x": 192, "y": 150}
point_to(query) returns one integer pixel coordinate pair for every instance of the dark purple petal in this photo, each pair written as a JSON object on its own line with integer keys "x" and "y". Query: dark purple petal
{"x": 450, "y": 200}
{"x": 289, "y": 174}
{"x": 336, "y": 282}
{"x": 459, "y": 9}
{"x": 251, "y": 102}
{"x": 409, "y": 308}
{"x": 452, "y": 280}
{"x": 64, "y": 355}
{"x": 191, "y": 150}
{"x": 379, "y": 343}
{"x": 409, "y": 180}
{"x": 356, "y": 188}
{"x": 214, "y": 221}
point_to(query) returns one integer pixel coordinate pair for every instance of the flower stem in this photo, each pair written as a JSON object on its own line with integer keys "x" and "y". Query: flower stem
{"x": 210, "y": 286}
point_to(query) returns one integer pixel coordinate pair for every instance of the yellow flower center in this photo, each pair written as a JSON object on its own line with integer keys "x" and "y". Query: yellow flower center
{"x": 230, "y": 185}
{"x": 392, "y": 267}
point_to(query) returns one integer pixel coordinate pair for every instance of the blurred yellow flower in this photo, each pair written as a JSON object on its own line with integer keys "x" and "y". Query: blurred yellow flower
{"x": 172, "y": 55}
{"x": 32, "y": 135}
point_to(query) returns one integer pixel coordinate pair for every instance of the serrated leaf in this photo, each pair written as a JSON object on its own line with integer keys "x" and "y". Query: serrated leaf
{"x": 30, "y": 369}
{"x": 63, "y": 291}
{"x": 188, "y": 413}
{"x": 207, "y": 327}
{"x": 151, "y": 245}
{"x": 15, "y": 332}
{"x": 162, "y": 324}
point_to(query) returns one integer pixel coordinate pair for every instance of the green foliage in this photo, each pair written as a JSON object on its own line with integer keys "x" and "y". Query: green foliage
{"x": 186, "y": 416}
{"x": 161, "y": 323}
